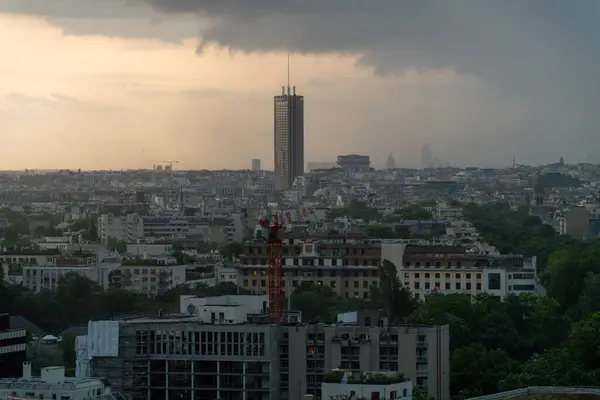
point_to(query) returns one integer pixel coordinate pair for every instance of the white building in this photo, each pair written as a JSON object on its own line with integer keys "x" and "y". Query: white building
{"x": 442, "y": 269}
{"x": 445, "y": 212}
{"x": 133, "y": 227}
{"x": 365, "y": 386}
{"x": 149, "y": 249}
{"x": 223, "y": 309}
{"x": 52, "y": 384}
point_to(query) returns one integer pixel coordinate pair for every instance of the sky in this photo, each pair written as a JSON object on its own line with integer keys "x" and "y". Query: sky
{"x": 115, "y": 84}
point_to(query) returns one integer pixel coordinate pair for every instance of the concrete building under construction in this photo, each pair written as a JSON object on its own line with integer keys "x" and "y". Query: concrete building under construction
{"x": 226, "y": 357}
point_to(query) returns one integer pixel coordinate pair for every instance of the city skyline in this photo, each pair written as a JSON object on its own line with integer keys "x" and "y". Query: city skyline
{"x": 95, "y": 85}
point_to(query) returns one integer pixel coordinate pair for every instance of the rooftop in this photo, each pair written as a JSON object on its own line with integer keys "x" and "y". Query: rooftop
{"x": 573, "y": 396}
{"x": 38, "y": 384}
{"x": 363, "y": 378}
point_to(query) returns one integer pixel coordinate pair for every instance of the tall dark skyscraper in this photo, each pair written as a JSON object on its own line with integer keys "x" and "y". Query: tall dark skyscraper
{"x": 426, "y": 156}
{"x": 289, "y": 137}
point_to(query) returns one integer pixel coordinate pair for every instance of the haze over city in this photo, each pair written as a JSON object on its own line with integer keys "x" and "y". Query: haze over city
{"x": 117, "y": 84}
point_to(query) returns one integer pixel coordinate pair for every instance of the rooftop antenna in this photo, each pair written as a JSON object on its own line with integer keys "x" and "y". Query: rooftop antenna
{"x": 288, "y": 73}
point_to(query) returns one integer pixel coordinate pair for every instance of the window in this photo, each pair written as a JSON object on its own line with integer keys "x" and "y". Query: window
{"x": 494, "y": 281}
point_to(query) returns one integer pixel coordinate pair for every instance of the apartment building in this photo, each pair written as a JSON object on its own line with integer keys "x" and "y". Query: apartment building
{"x": 29, "y": 257}
{"x": 444, "y": 211}
{"x": 53, "y": 384}
{"x": 421, "y": 353}
{"x": 41, "y": 270}
{"x": 366, "y": 385}
{"x": 46, "y": 277}
{"x": 348, "y": 264}
{"x": 13, "y": 348}
{"x": 149, "y": 249}
{"x": 132, "y": 227}
{"x": 147, "y": 276}
{"x": 465, "y": 269}
{"x": 195, "y": 358}
{"x": 187, "y": 359}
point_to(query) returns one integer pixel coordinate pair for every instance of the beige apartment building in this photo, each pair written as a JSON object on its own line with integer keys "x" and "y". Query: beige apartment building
{"x": 442, "y": 268}
{"x": 348, "y": 264}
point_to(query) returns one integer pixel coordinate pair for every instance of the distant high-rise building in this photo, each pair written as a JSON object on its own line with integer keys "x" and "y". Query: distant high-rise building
{"x": 390, "y": 163}
{"x": 321, "y": 165}
{"x": 426, "y": 156}
{"x": 354, "y": 162}
{"x": 256, "y": 164}
{"x": 289, "y": 137}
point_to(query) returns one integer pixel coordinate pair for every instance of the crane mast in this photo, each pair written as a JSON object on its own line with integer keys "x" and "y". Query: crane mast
{"x": 271, "y": 228}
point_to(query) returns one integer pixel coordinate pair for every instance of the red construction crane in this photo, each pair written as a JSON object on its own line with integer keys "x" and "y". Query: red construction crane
{"x": 272, "y": 226}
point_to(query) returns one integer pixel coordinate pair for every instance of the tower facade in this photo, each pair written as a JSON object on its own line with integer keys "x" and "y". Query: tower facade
{"x": 426, "y": 156}
{"x": 288, "y": 137}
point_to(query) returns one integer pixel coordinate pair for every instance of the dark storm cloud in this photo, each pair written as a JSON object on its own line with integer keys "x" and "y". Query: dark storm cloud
{"x": 544, "y": 53}
{"x": 546, "y": 46}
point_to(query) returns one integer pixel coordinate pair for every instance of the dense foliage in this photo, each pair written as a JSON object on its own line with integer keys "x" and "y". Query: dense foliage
{"x": 521, "y": 341}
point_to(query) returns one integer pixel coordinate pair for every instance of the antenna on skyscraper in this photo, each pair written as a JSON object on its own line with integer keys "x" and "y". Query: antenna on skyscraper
{"x": 288, "y": 85}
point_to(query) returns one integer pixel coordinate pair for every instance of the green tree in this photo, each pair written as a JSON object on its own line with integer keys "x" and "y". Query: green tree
{"x": 589, "y": 300}
{"x": 357, "y": 210}
{"x": 387, "y": 232}
{"x": 317, "y": 302}
{"x": 410, "y": 212}
{"x": 231, "y": 250}
{"x": 477, "y": 371}
{"x": 116, "y": 245}
{"x": 397, "y": 299}
{"x": 67, "y": 345}
{"x": 583, "y": 343}
{"x": 568, "y": 269}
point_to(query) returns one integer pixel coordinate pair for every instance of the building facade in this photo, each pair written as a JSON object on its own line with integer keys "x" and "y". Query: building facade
{"x": 354, "y": 162}
{"x": 288, "y": 137}
{"x": 348, "y": 264}
{"x": 190, "y": 359}
{"x": 460, "y": 269}
{"x": 53, "y": 384}
{"x": 13, "y": 348}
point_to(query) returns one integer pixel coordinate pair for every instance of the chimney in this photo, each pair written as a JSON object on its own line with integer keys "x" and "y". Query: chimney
{"x": 27, "y": 371}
